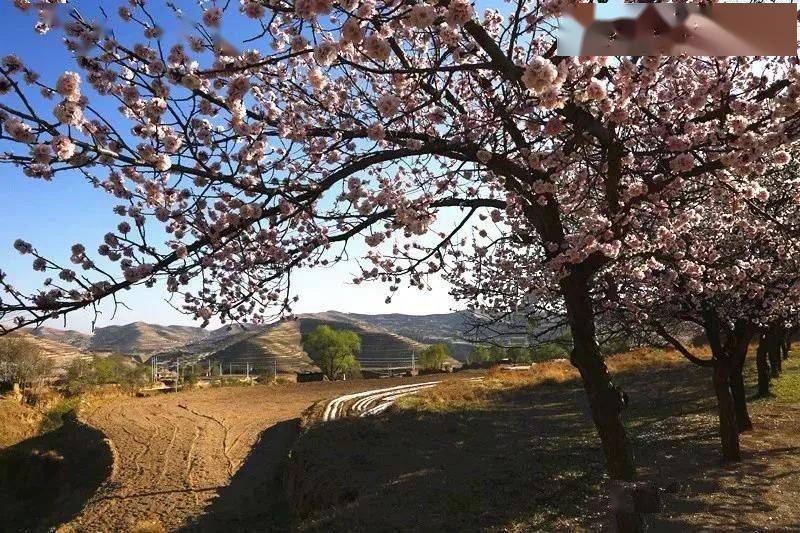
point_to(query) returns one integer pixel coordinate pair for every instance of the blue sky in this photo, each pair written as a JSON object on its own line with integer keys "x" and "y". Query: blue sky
{"x": 54, "y": 215}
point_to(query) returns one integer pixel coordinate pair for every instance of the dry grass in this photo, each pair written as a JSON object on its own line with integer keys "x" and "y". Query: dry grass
{"x": 459, "y": 395}
{"x": 148, "y": 526}
{"x": 17, "y": 422}
{"x": 518, "y": 452}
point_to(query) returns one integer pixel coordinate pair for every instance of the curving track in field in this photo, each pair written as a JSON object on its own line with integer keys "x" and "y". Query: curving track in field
{"x": 175, "y": 453}
{"x": 374, "y": 401}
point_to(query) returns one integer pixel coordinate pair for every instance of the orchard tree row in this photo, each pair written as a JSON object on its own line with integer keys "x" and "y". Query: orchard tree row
{"x": 425, "y": 138}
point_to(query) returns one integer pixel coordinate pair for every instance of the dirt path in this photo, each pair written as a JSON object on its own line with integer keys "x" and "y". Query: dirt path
{"x": 177, "y": 456}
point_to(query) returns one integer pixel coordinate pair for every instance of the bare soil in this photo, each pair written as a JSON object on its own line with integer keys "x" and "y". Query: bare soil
{"x": 203, "y": 460}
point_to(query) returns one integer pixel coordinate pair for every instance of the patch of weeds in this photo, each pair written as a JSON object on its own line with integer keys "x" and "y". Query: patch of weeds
{"x": 54, "y": 417}
{"x": 786, "y": 389}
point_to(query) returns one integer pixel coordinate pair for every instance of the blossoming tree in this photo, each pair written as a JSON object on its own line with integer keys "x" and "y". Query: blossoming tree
{"x": 728, "y": 264}
{"x": 336, "y": 121}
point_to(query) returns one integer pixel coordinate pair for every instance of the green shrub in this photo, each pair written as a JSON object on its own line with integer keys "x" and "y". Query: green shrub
{"x": 54, "y": 417}
{"x": 434, "y": 356}
{"x": 520, "y": 354}
{"x": 113, "y": 369}
{"x": 548, "y": 351}
{"x": 480, "y": 354}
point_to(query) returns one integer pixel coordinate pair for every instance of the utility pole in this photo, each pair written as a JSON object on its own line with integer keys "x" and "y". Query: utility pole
{"x": 247, "y": 367}
{"x": 275, "y": 369}
{"x": 413, "y": 361}
{"x": 177, "y": 373}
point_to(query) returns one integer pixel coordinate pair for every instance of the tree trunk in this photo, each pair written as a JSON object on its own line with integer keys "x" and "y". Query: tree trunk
{"x": 605, "y": 399}
{"x": 775, "y": 358}
{"x": 787, "y": 342}
{"x": 728, "y": 428}
{"x": 743, "y": 334}
{"x": 743, "y": 422}
{"x": 723, "y": 350}
{"x": 762, "y": 363}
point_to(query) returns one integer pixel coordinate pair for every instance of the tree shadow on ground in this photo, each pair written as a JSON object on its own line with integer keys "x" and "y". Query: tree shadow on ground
{"x": 46, "y": 480}
{"x": 473, "y": 469}
{"x": 529, "y": 459}
{"x": 254, "y": 500}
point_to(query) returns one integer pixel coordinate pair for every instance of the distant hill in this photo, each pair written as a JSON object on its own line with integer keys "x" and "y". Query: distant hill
{"x": 283, "y": 341}
{"x": 61, "y": 354}
{"x": 70, "y": 337}
{"x": 378, "y": 345}
{"x": 280, "y": 342}
{"x": 454, "y": 329}
{"x": 383, "y": 336}
{"x": 142, "y": 340}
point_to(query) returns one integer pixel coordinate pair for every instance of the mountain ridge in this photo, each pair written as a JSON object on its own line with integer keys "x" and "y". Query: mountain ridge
{"x": 383, "y": 333}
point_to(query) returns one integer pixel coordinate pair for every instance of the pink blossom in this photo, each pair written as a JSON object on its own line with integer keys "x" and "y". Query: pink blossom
{"x": 40, "y": 153}
{"x": 679, "y": 143}
{"x": 376, "y": 132}
{"x": 23, "y": 247}
{"x": 377, "y": 48}
{"x": 596, "y": 90}
{"x": 782, "y": 158}
{"x": 422, "y": 16}
{"x": 69, "y": 113}
{"x": 63, "y": 147}
{"x": 539, "y": 75}
{"x": 212, "y": 16}
{"x": 388, "y": 105}
{"x": 18, "y": 130}
{"x": 459, "y": 12}
{"x": 682, "y": 162}
{"x": 352, "y": 31}
{"x": 69, "y": 86}
{"x": 254, "y": 9}
{"x": 325, "y": 53}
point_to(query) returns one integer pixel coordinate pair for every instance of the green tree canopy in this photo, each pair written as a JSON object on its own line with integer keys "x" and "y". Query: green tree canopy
{"x": 434, "y": 356}
{"x": 334, "y": 351}
{"x": 519, "y": 354}
{"x": 480, "y": 354}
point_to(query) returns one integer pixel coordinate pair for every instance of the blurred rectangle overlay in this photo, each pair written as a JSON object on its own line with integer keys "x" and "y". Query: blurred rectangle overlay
{"x": 720, "y": 29}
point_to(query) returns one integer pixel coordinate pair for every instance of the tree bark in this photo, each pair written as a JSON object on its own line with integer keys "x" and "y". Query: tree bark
{"x": 743, "y": 421}
{"x": 775, "y": 356}
{"x": 740, "y": 342}
{"x": 787, "y": 342}
{"x": 605, "y": 399}
{"x": 728, "y": 428}
{"x": 762, "y": 364}
{"x": 722, "y": 361}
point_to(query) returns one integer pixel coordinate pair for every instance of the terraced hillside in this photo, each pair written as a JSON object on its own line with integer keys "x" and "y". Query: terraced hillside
{"x": 454, "y": 329}
{"x": 142, "y": 340}
{"x": 59, "y": 353}
{"x": 281, "y": 342}
{"x": 383, "y": 336}
{"x": 377, "y": 343}
{"x": 73, "y": 338}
